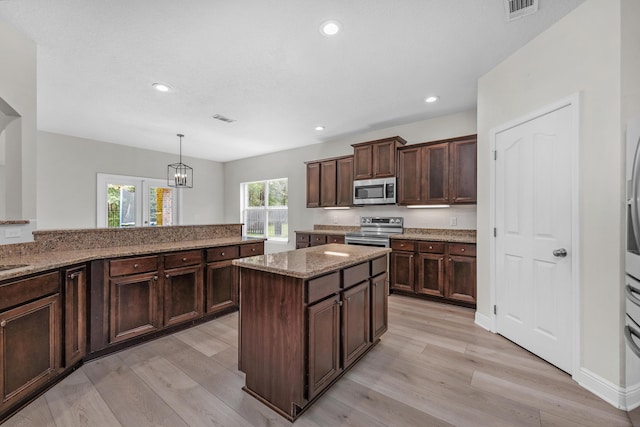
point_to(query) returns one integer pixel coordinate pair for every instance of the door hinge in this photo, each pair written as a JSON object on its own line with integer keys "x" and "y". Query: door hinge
{"x": 495, "y": 309}
{"x": 495, "y": 155}
{"x": 495, "y": 232}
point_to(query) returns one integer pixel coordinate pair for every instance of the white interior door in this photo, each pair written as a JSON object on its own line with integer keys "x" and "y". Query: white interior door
{"x": 533, "y": 200}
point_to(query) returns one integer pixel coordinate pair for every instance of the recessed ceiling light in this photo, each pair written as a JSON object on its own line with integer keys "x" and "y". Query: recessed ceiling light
{"x": 431, "y": 99}
{"x": 330, "y": 28}
{"x": 161, "y": 87}
{"x": 319, "y": 128}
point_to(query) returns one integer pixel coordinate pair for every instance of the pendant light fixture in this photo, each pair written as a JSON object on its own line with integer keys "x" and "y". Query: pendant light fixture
{"x": 178, "y": 174}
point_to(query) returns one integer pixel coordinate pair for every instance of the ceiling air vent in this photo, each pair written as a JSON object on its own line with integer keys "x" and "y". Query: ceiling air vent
{"x": 518, "y": 8}
{"x": 222, "y": 118}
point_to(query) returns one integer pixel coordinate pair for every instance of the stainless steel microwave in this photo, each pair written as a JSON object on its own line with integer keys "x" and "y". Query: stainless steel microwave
{"x": 380, "y": 191}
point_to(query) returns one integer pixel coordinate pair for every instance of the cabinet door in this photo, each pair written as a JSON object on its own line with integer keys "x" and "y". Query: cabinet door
{"x": 461, "y": 279}
{"x": 183, "y": 289}
{"x": 409, "y": 176}
{"x": 356, "y": 322}
{"x": 222, "y": 286}
{"x": 344, "y": 184}
{"x": 324, "y": 344}
{"x": 435, "y": 180}
{"x": 313, "y": 185}
{"x": 75, "y": 315}
{"x": 431, "y": 275}
{"x": 133, "y": 307}
{"x": 30, "y": 350}
{"x": 463, "y": 171}
{"x": 379, "y": 306}
{"x": 402, "y": 271}
{"x": 384, "y": 159}
{"x": 334, "y": 238}
{"x": 328, "y": 183}
{"x": 363, "y": 162}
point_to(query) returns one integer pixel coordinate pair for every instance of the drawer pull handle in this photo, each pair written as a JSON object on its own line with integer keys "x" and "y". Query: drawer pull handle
{"x": 135, "y": 266}
{"x": 184, "y": 260}
{"x": 3, "y": 323}
{"x": 462, "y": 250}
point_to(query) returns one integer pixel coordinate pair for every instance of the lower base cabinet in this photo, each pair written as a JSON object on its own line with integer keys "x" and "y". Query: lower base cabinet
{"x": 221, "y": 290}
{"x": 182, "y": 295}
{"x": 75, "y": 315}
{"x": 379, "y": 306}
{"x": 323, "y": 344}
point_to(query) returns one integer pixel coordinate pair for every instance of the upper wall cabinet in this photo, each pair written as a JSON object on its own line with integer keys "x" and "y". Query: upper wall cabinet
{"x": 376, "y": 159}
{"x": 330, "y": 182}
{"x": 438, "y": 172}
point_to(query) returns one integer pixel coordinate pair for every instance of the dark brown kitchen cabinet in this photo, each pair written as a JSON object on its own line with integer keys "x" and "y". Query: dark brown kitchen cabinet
{"x": 222, "y": 286}
{"x": 438, "y": 172}
{"x": 313, "y": 185}
{"x": 323, "y": 344}
{"x": 304, "y": 240}
{"x": 133, "y": 306}
{"x": 30, "y": 337}
{"x": 75, "y": 315}
{"x": 376, "y": 159}
{"x": 182, "y": 294}
{"x": 330, "y": 182}
{"x": 441, "y": 271}
{"x": 356, "y": 322}
{"x": 379, "y": 307}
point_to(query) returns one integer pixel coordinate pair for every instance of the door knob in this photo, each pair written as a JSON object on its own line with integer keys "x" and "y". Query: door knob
{"x": 560, "y": 253}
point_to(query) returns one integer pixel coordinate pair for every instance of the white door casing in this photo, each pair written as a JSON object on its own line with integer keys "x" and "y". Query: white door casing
{"x": 535, "y": 213}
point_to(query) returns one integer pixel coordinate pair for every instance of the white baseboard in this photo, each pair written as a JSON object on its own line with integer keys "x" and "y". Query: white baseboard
{"x": 605, "y": 389}
{"x": 483, "y": 321}
{"x": 633, "y": 397}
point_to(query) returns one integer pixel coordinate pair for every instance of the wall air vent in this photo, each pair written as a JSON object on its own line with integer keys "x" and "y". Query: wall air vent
{"x": 515, "y": 9}
{"x": 222, "y": 118}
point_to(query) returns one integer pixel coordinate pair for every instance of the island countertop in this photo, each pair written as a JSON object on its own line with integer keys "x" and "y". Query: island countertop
{"x": 313, "y": 261}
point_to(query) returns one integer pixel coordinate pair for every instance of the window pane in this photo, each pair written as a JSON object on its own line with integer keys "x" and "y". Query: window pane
{"x": 254, "y": 222}
{"x": 278, "y": 223}
{"x": 255, "y": 194}
{"x": 121, "y": 205}
{"x": 278, "y": 193}
{"x": 160, "y": 206}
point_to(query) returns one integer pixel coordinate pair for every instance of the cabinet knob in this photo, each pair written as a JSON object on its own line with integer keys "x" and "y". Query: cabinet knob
{"x": 461, "y": 249}
{"x": 73, "y": 275}
{"x": 166, "y": 276}
{"x": 349, "y": 299}
{"x": 155, "y": 277}
{"x": 3, "y": 323}
{"x": 135, "y": 266}
{"x": 253, "y": 249}
{"x": 449, "y": 259}
{"x": 430, "y": 247}
{"x": 221, "y": 253}
{"x": 184, "y": 260}
{"x": 340, "y": 303}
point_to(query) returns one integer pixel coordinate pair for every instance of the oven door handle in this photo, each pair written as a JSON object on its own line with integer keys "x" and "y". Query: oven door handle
{"x": 631, "y": 294}
{"x": 629, "y": 333}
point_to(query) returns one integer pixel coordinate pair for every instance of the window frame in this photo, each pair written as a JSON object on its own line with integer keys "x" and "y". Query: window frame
{"x": 142, "y": 203}
{"x": 266, "y": 208}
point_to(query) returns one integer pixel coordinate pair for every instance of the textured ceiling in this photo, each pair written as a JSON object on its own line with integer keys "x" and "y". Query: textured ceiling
{"x": 263, "y": 63}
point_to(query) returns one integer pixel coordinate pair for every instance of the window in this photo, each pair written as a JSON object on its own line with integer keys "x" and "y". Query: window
{"x": 264, "y": 209}
{"x": 127, "y": 201}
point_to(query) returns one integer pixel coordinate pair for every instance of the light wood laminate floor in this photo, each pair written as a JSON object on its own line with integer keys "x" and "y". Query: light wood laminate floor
{"x": 433, "y": 367}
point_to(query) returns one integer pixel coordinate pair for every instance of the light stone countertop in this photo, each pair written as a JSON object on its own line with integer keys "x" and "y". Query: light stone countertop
{"x": 311, "y": 262}
{"x": 324, "y": 232}
{"x": 437, "y": 235}
{"x": 50, "y": 260}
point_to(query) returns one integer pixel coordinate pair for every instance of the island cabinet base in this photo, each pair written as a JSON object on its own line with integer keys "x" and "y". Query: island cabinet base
{"x": 298, "y": 336}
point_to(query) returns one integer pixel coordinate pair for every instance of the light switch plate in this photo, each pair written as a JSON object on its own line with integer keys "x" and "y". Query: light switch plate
{"x": 12, "y": 233}
{"x": 454, "y": 221}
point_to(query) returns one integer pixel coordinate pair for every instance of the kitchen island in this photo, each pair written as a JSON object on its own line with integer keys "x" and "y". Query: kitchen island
{"x": 306, "y": 317}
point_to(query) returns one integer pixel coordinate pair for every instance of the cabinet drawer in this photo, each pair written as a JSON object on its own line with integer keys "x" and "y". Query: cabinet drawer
{"x": 222, "y": 252}
{"x": 356, "y": 274}
{"x": 21, "y": 291}
{"x": 121, "y": 267}
{"x": 182, "y": 259}
{"x": 251, "y": 249}
{"x": 462, "y": 249}
{"x": 432, "y": 247}
{"x": 318, "y": 239}
{"x": 302, "y": 238}
{"x": 378, "y": 266}
{"x": 403, "y": 245}
{"x": 335, "y": 239}
{"x": 322, "y": 287}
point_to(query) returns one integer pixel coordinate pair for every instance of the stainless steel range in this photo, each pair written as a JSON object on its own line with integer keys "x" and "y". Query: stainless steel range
{"x": 375, "y": 231}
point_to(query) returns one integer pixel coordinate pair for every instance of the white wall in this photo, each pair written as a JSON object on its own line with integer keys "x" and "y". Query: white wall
{"x": 18, "y": 89}
{"x": 580, "y": 53}
{"x": 67, "y": 170}
{"x": 290, "y": 164}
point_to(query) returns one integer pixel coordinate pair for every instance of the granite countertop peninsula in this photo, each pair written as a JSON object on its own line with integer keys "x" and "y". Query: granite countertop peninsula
{"x": 314, "y": 261}
{"x": 14, "y": 221}
{"x": 437, "y": 235}
{"x": 59, "y": 248}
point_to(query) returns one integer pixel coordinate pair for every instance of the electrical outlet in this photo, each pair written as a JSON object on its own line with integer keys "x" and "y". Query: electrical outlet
{"x": 454, "y": 221}
{"x": 357, "y": 220}
{"x": 12, "y": 233}
{"x": 335, "y": 219}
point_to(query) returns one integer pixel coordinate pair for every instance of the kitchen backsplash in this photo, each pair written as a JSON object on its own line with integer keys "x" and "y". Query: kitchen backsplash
{"x": 464, "y": 216}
